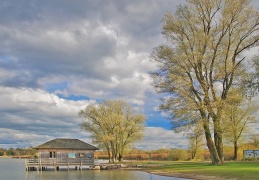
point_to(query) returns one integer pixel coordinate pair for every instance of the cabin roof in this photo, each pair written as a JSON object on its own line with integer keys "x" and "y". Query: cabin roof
{"x": 60, "y": 143}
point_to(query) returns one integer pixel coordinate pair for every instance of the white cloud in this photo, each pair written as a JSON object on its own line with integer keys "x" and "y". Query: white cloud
{"x": 97, "y": 49}
{"x": 157, "y": 137}
{"x": 35, "y": 115}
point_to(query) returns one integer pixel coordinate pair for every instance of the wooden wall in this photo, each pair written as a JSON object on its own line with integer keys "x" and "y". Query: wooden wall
{"x": 67, "y": 155}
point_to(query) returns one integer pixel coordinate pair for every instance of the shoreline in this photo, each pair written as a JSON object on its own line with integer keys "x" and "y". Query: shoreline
{"x": 18, "y": 157}
{"x": 158, "y": 172}
{"x": 172, "y": 173}
{"x": 186, "y": 176}
{"x": 5, "y": 157}
{"x": 177, "y": 174}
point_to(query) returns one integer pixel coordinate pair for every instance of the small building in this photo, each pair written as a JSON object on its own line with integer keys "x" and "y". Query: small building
{"x": 62, "y": 152}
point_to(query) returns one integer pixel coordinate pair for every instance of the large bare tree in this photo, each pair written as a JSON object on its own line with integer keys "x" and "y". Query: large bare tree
{"x": 113, "y": 125}
{"x": 202, "y": 60}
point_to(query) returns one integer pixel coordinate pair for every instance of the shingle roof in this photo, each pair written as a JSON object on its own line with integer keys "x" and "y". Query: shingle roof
{"x": 66, "y": 144}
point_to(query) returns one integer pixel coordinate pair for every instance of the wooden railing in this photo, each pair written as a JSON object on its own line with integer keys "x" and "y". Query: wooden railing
{"x": 59, "y": 162}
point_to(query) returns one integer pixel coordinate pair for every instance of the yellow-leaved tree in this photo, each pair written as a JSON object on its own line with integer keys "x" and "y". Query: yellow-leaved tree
{"x": 113, "y": 125}
{"x": 202, "y": 60}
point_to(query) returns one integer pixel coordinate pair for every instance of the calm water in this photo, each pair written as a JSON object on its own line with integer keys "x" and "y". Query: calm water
{"x": 14, "y": 169}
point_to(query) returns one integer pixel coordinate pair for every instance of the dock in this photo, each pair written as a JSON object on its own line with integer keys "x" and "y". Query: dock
{"x": 76, "y": 164}
{"x": 44, "y": 164}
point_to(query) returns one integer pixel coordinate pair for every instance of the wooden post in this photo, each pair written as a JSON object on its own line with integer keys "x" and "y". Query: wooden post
{"x": 80, "y": 167}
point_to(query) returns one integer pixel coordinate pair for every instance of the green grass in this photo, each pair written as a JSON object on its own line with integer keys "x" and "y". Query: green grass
{"x": 239, "y": 170}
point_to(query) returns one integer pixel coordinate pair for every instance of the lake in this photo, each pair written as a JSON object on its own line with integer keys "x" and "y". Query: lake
{"x": 14, "y": 169}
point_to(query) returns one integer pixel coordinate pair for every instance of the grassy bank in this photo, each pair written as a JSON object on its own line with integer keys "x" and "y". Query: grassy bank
{"x": 238, "y": 170}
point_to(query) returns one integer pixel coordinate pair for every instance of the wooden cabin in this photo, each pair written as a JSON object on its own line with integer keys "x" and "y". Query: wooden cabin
{"x": 62, "y": 152}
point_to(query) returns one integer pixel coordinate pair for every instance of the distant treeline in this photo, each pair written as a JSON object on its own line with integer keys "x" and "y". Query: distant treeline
{"x": 153, "y": 155}
{"x": 143, "y": 155}
{"x": 19, "y": 152}
{"x": 177, "y": 154}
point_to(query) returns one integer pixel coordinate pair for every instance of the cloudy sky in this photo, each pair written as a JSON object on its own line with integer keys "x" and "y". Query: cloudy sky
{"x": 58, "y": 56}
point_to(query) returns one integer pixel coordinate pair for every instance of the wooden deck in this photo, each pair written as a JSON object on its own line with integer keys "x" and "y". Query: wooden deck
{"x": 44, "y": 164}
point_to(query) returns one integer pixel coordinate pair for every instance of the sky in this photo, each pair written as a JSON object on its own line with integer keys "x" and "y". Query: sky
{"x": 58, "y": 56}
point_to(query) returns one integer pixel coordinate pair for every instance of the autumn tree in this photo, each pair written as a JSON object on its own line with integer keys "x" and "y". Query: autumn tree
{"x": 195, "y": 140}
{"x": 202, "y": 60}
{"x": 237, "y": 115}
{"x": 255, "y": 140}
{"x": 256, "y": 73}
{"x": 113, "y": 125}
{"x": 251, "y": 83}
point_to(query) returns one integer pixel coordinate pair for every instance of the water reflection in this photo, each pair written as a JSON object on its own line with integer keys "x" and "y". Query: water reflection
{"x": 95, "y": 175}
{"x": 14, "y": 169}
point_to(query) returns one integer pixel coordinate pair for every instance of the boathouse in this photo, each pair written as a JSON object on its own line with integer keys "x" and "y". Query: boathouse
{"x": 62, "y": 152}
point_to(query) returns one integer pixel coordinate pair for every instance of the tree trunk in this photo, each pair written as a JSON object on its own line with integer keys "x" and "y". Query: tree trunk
{"x": 121, "y": 152}
{"x": 235, "y": 150}
{"x": 109, "y": 156}
{"x": 120, "y": 157}
{"x": 213, "y": 151}
{"x": 193, "y": 153}
{"x": 108, "y": 152}
{"x": 218, "y": 134}
{"x": 219, "y": 145}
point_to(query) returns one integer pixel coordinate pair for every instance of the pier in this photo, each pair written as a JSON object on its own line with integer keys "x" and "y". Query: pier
{"x": 44, "y": 164}
{"x": 52, "y": 164}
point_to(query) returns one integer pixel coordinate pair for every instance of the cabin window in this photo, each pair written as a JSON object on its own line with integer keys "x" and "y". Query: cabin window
{"x": 52, "y": 154}
{"x": 90, "y": 155}
{"x": 71, "y": 155}
{"x": 81, "y": 155}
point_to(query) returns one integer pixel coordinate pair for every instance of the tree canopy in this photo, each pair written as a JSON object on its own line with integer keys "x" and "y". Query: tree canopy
{"x": 202, "y": 61}
{"x": 113, "y": 125}
{"x": 238, "y": 113}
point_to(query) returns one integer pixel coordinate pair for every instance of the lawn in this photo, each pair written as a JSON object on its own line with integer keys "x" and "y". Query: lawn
{"x": 240, "y": 170}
